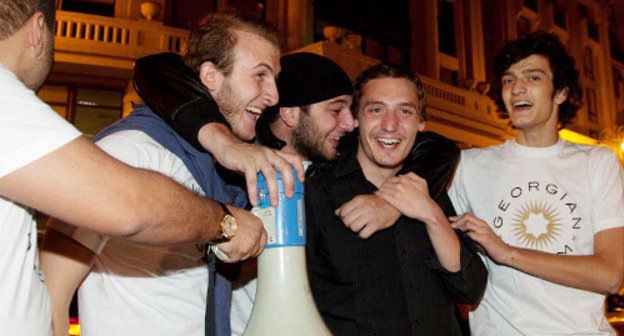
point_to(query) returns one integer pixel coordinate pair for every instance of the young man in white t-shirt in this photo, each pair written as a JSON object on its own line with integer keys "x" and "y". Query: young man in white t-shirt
{"x": 45, "y": 164}
{"x": 548, "y": 213}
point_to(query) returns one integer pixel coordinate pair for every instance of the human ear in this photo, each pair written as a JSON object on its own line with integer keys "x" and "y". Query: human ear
{"x": 561, "y": 96}
{"x": 36, "y": 33}
{"x": 210, "y": 76}
{"x": 290, "y": 115}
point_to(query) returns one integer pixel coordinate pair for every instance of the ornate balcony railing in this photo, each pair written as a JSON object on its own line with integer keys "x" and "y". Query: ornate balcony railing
{"x": 461, "y": 114}
{"x": 97, "y": 35}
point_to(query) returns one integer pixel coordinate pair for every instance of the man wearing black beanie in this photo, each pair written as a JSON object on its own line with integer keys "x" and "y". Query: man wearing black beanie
{"x": 313, "y": 113}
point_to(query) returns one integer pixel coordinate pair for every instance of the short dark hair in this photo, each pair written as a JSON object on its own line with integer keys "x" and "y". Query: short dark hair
{"x": 215, "y": 38}
{"x": 388, "y": 70}
{"x": 14, "y": 13}
{"x": 561, "y": 64}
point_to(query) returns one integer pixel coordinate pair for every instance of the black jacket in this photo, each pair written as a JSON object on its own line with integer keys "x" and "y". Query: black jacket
{"x": 391, "y": 283}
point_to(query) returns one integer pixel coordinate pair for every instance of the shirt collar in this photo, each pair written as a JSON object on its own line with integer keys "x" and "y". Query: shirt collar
{"x": 347, "y": 162}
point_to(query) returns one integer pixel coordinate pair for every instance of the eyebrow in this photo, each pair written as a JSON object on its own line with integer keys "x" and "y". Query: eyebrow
{"x": 339, "y": 101}
{"x": 538, "y": 70}
{"x": 377, "y": 102}
{"x": 264, "y": 65}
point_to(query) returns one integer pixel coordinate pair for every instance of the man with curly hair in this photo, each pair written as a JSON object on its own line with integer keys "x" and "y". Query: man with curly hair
{"x": 548, "y": 213}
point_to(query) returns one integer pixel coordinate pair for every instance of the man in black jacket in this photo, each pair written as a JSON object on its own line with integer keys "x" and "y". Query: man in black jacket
{"x": 401, "y": 280}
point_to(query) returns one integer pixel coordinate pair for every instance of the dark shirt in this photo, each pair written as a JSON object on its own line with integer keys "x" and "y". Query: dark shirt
{"x": 389, "y": 284}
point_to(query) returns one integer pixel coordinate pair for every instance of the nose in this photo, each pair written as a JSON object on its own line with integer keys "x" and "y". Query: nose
{"x": 518, "y": 87}
{"x": 389, "y": 121}
{"x": 270, "y": 94}
{"x": 346, "y": 121}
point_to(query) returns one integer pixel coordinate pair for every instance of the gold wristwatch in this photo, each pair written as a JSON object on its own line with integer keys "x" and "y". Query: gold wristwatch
{"x": 227, "y": 226}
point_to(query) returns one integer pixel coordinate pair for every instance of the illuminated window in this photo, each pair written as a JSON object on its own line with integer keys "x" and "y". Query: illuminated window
{"x": 96, "y": 109}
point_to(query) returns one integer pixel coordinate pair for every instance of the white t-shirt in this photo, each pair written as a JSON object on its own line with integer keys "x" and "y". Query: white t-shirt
{"x": 244, "y": 292}
{"x": 136, "y": 289}
{"x": 29, "y": 130}
{"x": 551, "y": 199}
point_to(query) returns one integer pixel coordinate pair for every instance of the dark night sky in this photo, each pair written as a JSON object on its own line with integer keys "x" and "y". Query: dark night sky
{"x": 385, "y": 19}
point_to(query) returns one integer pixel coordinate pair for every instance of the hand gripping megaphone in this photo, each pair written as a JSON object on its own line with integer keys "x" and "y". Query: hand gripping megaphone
{"x": 284, "y": 304}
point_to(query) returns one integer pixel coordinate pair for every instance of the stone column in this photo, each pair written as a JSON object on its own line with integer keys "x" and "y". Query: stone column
{"x": 294, "y": 20}
{"x": 423, "y": 20}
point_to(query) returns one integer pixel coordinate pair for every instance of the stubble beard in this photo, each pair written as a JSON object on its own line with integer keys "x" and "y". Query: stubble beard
{"x": 308, "y": 142}
{"x": 228, "y": 106}
{"x": 42, "y": 67}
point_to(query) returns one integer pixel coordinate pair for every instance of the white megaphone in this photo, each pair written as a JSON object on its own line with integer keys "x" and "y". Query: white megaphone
{"x": 284, "y": 304}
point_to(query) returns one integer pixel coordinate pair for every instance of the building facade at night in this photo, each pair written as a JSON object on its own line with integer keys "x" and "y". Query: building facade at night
{"x": 450, "y": 43}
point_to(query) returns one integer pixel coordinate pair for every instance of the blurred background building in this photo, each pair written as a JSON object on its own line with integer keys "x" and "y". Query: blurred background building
{"x": 450, "y": 43}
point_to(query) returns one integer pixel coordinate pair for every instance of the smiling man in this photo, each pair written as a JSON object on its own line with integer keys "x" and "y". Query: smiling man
{"x": 548, "y": 213}
{"x": 401, "y": 280}
{"x": 313, "y": 113}
{"x": 140, "y": 289}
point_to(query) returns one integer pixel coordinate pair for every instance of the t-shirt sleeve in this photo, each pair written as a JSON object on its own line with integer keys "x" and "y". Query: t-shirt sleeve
{"x": 457, "y": 192}
{"x": 29, "y": 129}
{"x": 608, "y": 189}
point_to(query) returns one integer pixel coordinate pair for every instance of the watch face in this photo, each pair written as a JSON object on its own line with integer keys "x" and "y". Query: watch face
{"x": 229, "y": 226}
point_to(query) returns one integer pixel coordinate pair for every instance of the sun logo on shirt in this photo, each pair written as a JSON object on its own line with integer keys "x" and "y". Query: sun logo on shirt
{"x": 536, "y": 224}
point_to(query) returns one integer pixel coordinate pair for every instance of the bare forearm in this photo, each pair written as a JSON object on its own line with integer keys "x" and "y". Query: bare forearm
{"x": 445, "y": 242}
{"x": 110, "y": 197}
{"x": 170, "y": 214}
{"x": 214, "y": 136}
{"x": 591, "y": 272}
{"x": 65, "y": 264}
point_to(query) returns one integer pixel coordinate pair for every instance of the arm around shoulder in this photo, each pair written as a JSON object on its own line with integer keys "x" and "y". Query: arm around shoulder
{"x": 80, "y": 184}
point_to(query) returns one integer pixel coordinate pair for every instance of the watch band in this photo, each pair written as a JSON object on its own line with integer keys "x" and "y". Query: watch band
{"x": 227, "y": 211}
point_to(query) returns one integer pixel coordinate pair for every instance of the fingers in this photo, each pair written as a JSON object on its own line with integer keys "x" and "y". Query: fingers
{"x": 252, "y": 187}
{"x": 271, "y": 180}
{"x": 285, "y": 170}
{"x": 470, "y": 224}
{"x": 296, "y": 162}
{"x": 262, "y": 243}
{"x": 348, "y": 207}
{"x": 284, "y": 163}
{"x": 403, "y": 182}
{"x": 355, "y": 222}
{"x": 367, "y": 231}
{"x": 250, "y": 237}
{"x": 389, "y": 196}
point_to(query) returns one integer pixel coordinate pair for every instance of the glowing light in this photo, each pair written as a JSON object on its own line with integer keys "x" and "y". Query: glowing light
{"x": 74, "y": 327}
{"x": 572, "y": 136}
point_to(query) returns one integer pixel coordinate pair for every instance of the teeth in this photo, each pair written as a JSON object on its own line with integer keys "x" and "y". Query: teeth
{"x": 389, "y": 142}
{"x": 254, "y": 110}
{"x": 337, "y": 138}
{"x": 522, "y": 103}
